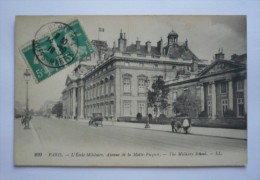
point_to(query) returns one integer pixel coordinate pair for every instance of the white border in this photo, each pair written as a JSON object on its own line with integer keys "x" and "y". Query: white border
{"x": 10, "y": 8}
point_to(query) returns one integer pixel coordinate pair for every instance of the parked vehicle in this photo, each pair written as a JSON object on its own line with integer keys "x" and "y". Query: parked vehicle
{"x": 181, "y": 125}
{"x": 96, "y": 119}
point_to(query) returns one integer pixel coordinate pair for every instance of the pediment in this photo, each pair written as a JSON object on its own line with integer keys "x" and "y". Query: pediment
{"x": 220, "y": 66}
{"x": 68, "y": 80}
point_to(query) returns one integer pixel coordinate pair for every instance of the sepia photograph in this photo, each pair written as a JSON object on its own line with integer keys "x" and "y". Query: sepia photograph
{"x": 130, "y": 90}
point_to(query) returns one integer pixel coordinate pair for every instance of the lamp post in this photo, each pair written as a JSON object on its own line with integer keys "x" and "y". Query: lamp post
{"x": 147, "y": 125}
{"x": 27, "y": 77}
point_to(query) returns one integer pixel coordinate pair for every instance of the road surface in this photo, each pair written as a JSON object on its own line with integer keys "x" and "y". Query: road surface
{"x": 61, "y": 137}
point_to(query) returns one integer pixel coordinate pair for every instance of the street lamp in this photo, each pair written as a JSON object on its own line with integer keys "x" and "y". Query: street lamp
{"x": 147, "y": 83}
{"x": 27, "y": 77}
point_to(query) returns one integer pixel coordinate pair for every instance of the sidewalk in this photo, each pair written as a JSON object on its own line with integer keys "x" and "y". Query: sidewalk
{"x": 215, "y": 132}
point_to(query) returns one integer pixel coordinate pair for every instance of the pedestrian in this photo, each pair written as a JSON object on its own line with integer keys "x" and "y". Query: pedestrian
{"x": 186, "y": 125}
{"x": 173, "y": 125}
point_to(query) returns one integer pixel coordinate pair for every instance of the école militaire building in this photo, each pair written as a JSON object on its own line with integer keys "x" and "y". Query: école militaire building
{"x": 114, "y": 80}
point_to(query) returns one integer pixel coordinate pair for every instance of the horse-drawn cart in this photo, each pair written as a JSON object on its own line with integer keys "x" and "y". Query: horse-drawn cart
{"x": 96, "y": 119}
{"x": 181, "y": 125}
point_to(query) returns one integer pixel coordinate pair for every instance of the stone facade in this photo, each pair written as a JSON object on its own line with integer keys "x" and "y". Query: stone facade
{"x": 117, "y": 84}
{"x": 220, "y": 86}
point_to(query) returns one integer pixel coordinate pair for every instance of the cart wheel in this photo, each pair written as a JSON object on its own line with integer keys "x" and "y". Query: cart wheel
{"x": 178, "y": 127}
{"x": 189, "y": 130}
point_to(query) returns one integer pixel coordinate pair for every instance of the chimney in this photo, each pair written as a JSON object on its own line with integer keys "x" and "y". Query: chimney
{"x": 194, "y": 65}
{"x": 186, "y": 44}
{"x": 121, "y": 34}
{"x": 114, "y": 46}
{"x": 121, "y": 42}
{"x": 138, "y": 46}
{"x": 220, "y": 55}
{"x": 160, "y": 46}
{"x": 148, "y": 46}
{"x": 234, "y": 56}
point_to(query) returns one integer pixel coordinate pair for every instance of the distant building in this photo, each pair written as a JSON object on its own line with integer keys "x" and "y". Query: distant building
{"x": 19, "y": 108}
{"x": 46, "y": 108}
{"x": 220, "y": 86}
{"x": 114, "y": 81}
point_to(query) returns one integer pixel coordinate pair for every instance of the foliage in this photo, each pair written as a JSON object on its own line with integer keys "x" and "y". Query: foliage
{"x": 229, "y": 113}
{"x": 162, "y": 117}
{"x": 158, "y": 96}
{"x": 57, "y": 109}
{"x": 139, "y": 116}
{"x": 203, "y": 114}
{"x": 186, "y": 104}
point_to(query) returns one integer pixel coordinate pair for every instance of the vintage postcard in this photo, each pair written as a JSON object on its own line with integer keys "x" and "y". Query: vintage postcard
{"x": 130, "y": 91}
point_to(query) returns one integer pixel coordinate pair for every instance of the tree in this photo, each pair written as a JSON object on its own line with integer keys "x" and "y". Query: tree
{"x": 186, "y": 104}
{"x": 158, "y": 96}
{"x": 57, "y": 109}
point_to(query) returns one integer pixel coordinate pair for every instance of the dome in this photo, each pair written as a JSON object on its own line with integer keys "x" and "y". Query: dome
{"x": 173, "y": 33}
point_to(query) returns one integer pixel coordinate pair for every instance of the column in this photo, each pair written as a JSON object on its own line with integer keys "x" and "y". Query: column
{"x": 73, "y": 102}
{"x": 214, "y": 108}
{"x": 81, "y": 102}
{"x": 202, "y": 97}
{"x": 230, "y": 94}
{"x": 245, "y": 95}
{"x": 69, "y": 103}
{"x": 117, "y": 93}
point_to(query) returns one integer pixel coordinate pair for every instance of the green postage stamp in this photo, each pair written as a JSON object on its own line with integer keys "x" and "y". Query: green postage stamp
{"x": 55, "y": 46}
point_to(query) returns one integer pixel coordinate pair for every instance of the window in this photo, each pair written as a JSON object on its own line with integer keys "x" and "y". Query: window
{"x": 240, "y": 107}
{"x": 210, "y": 89}
{"x": 174, "y": 96}
{"x": 209, "y": 108}
{"x": 141, "y": 86}
{"x": 112, "y": 87}
{"x": 240, "y": 85}
{"x": 94, "y": 92}
{"x": 101, "y": 89}
{"x": 112, "y": 109}
{"x": 104, "y": 88}
{"x": 107, "y": 87}
{"x": 98, "y": 92}
{"x": 107, "y": 110}
{"x": 141, "y": 64}
{"x": 127, "y": 85}
{"x": 173, "y": 67}
{"x": 127, "y": 108}
{"x": 155, "y": 65}
{"x": 224, "y": 106}
{"x": 223, "y": 87}
{"x": 141, "y": 108}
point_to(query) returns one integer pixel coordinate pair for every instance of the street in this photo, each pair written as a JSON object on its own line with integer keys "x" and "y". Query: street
{"x": 61, "y": 137}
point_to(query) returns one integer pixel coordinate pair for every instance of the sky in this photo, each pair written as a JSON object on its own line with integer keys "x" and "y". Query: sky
{"x": 205, "y": 35}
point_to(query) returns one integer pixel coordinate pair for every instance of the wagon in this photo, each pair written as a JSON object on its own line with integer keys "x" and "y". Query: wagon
{"x": 181, "y": 125}
{"x": 96, "y": 119}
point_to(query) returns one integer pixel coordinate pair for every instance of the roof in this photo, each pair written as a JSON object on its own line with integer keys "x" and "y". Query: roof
{"x": 174, "y": 52}
{"x": 173, "y": 33}
{"x": 99, "y": 43}
{"x": 239, "y": 58}
{"x": 132, "y": 49}
{"x": 220, "y": 66}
